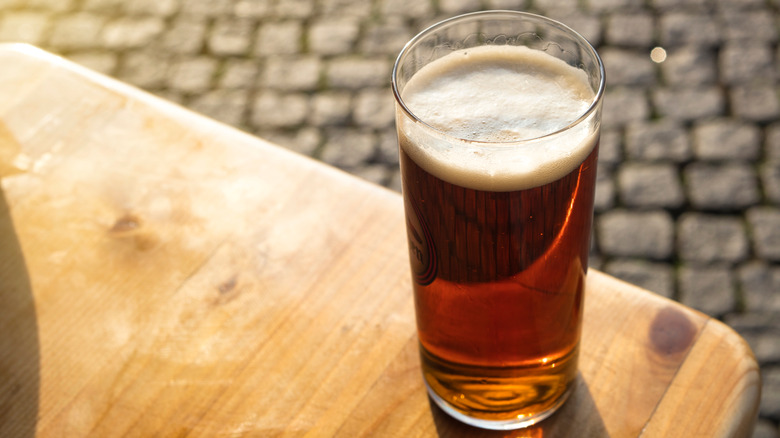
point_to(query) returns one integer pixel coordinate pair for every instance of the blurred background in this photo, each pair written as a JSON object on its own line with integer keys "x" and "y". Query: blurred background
{"x": 688, "y": 195}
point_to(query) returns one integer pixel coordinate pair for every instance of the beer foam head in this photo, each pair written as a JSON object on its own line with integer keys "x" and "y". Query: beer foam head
{"x": 494, "y": 108}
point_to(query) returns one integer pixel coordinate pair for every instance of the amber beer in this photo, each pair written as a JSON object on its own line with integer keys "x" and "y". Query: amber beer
{"x": 498, "y": 149}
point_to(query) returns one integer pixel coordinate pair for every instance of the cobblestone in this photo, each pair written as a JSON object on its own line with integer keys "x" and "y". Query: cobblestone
{"x": 721, "y": 187}
{"x": 131, "y": 33}
{"x": 624, "y": 233}
{"x": 742, "y": 63}
{"x": 755, "y": 103}
{"x": 770, "y": 393}
{"x": 704, "y": 239}
{"x": 688, "y": 104}
{"x": 230, "y": 36}
{"x": 726, "y": 139}
{"x": 623, "y": 106}
{"x": 708, "y": 289}
{"x": 279, "y": 38}
{"x": 688, "y": 185}
{"x": 681, "y": 28}
{"x": 331, "y": 108}
{"x": 299, "y": 74}
{"x": 770, "y": 180}
{"x": 24, "y": 27}
{"x": 655, "y": 277}
{"x": 759, "y": 283}
{"x": 650, "y": 185}
{"x": 765, "y": 225}
{"x": 191, "y": 75}
{"x": 347, "y": 148}
{"x": 663, "y": 140}
{"x": 635, "y": 29}
{"x": 690, "y": 66}
{"x": 627, "y": 67}
{"x": 333, "y": 36}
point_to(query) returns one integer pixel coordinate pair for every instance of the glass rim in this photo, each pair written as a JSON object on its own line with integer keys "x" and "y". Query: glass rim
{"x": 432, "y": 28}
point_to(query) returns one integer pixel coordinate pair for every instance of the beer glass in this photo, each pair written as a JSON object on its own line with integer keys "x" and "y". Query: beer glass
{"x": 498, "y": 120}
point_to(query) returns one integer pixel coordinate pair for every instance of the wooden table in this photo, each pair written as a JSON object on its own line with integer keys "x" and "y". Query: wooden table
{"x": 164, "y": 275}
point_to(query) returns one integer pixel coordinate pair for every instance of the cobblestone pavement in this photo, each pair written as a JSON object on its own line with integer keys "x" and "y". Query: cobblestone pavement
{"x": 688, "y": 196}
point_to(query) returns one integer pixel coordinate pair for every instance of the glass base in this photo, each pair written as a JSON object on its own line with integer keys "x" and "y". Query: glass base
{"x": 511, "y": 424}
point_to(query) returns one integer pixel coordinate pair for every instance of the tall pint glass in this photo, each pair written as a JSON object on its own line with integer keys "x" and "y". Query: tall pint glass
{"x": 498, "y": 120}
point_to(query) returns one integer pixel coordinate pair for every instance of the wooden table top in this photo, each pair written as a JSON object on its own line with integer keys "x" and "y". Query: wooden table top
{"x": 162, "y": 274}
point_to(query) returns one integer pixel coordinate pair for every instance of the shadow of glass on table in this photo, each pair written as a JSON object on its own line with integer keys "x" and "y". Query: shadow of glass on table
{"x": 19, "y": 348}
{"x": 578, "y": 417}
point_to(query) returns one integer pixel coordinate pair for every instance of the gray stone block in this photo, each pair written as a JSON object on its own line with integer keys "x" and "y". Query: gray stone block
{"x": 628, "y": 67}
{"x": 239, "y": 74}
{"x": 758, "y": 103}
{"x": 24, "y": 27}
{"x": 185, "y": 36}
{"x": 100, "y": 61}
{"x": 634, "y": 29}
{"x": 227, "y": 106}
{"x": 253, "y": 8}
{"x": 764, "y": 223}
{"x": 387, "y": 37}
{"x": 586, "y": 24}
{"x": 746, "y": 62}
{"x": 770, "y": 393}
{"x": 191, "y": 74}
{"x": 690, "y": 65}
{"x": 726, "y": 139}
{"x": 663, "y": 140}
{"x": 705, "y": 239}
{"x": 230, "y": 36}
{"x": 759, "y": 283}
{"x": 279, "y": 38}
{"x": 77, "y": 31}
{"x": 291, "y": 73}
{"x": 348, "y": 148}
{"x": 613, "y": 5}
{"x": 210, "y": 8}
{"x": 650, "y": 185}
{"x": 374, "y": 108}
{"x": 330, "y": 108}
{"x": 274, "y": 110}
{"x": 624, "y": 105}
{"x": 655, "y": 277}
{"x": 765, "y": 429}
{"x": 147, "y": 68}
{"x": 624, "y": 233}
{"x": 131, "y": 32}
{"x": 304, "y": 141}
{"x": 407, "y": 8}
{"x": 755, "y": 25}
{"x": 157, "y": 8}
{"x": 351, "y": 8}
{"x": 333, "y": 36}
{"x": 452, "y": 7}
{"x": 388, "y": 147}
{"x": 682, "y": 28}
{"x": 356, "y": 73}
{"x": 610, "y": 147}
{"x": 688, "y": 104}
{"x": 770, "y": 180}
{"x": 708, "y": 289}
{"x": 721, "y": 187}
{"x": 772, "y": 142}
{"x": 605, "y": 190}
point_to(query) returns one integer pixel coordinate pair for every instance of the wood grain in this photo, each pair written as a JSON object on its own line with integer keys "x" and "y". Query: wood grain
{"x": 166, "y": 275}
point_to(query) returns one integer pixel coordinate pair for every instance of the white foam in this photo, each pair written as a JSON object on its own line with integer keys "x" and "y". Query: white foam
{"x": 496, "y": 105}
